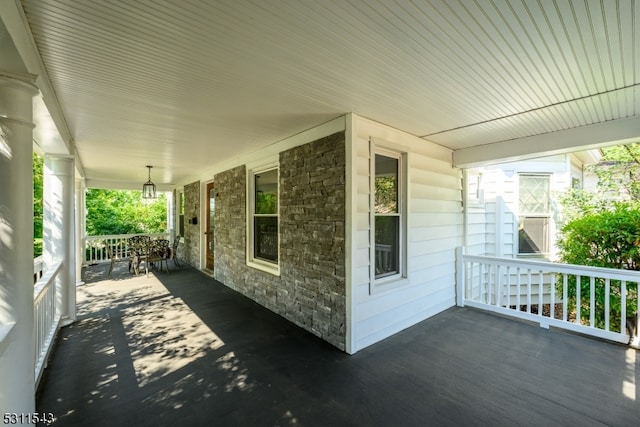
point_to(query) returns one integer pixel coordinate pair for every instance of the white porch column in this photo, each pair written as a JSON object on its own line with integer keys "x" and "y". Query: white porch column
{"x": 59, "y": 229}
{"x": 81, "y": 228}
{"x": 17, "y": 348}
{"x": 171, "y": 214}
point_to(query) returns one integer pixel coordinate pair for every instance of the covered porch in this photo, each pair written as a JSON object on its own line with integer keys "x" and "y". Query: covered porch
{"x": 218, "y": 96}
{"x": 183, "y": 349}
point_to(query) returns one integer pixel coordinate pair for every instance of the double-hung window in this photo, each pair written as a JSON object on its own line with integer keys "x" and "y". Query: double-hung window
{"x": 535, "y": 214}
{"x": 388, "y": 261}
{"x": 263, "y": 247}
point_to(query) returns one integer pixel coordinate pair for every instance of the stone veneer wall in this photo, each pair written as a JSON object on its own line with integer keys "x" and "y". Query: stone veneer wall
{"x": 310, "y": 290}
{"x": 191, "y": 249}
{"x": 229, "y": 239}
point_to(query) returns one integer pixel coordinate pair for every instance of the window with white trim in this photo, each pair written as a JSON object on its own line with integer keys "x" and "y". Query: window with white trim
{"x": 263, "y": 248}
{"x": 388, "y": 217}
{"x": 535, "y": 214}
{"x": 475, "y": 191}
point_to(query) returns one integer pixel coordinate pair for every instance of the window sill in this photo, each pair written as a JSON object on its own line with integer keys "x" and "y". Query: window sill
{"x": 387, "y": 284}
{"x": 264, "y": 266}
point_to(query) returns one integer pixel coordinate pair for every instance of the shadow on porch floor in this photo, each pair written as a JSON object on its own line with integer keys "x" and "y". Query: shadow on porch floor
{"x": 181, "y": 349}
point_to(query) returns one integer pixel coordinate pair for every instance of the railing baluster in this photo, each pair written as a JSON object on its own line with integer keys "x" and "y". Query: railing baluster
{"x": 607, "y": 304}
{"x": 469, "y": 281}
{"x": 483, "y": 295}
{"x": 96, "y": 246}
{"x": 529, "y": 290}
{"x": 498, "y": 285}
{"x": 540, "y": 291}
{"x": 578, "y": 302}
{"x": 565, "y": 296}
{"x": 623, "y": 306}
{"x": 508, "y": 293}
{"x": 552, "y": 302}
{"x": 487, "y": 283}
{"x": 518, "y": 284}
{"x": 46, "y": 317}
{"x": 592, "y": 303}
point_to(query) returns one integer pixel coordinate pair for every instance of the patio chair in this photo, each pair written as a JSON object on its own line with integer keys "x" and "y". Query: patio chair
{"x": 112, "y": 257}
{"x": 173, "y": 254}
{"x": 112, "y": 252}
{"x": 139, "y": 251}
{"x": 159, "y": 251}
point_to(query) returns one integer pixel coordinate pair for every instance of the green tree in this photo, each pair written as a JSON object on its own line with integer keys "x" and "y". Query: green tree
{"x": 602, "y": 229}
{"x": 108, "y": 211}
{"x": 124, "y": 212}
{"x": 37, "y": 205}
{"x": 618, "y": 175}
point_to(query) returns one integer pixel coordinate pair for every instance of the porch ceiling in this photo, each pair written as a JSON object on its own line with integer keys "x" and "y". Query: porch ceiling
{"x": 184, "y": 85}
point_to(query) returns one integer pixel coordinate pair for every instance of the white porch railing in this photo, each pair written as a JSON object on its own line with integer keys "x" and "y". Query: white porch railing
{"x": 551, "y": 294}
{"x": 46, "y": 317}
{"x": 97, "y": 247}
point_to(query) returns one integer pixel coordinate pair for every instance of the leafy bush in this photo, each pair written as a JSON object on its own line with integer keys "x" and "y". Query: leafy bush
{"x": 607, "y": 238}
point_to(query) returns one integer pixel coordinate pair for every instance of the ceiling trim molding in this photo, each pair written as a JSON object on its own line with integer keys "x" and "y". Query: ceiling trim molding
{"x": 582, "y": 138}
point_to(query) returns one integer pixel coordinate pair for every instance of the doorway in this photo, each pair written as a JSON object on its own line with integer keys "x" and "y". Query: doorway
{"x": 210, "y": 225}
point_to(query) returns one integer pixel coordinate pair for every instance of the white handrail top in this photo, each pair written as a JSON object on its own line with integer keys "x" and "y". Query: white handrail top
{"x": 554, "y": 267}
{"x": 46, "y": 279}
{"x": 124, "y": 236}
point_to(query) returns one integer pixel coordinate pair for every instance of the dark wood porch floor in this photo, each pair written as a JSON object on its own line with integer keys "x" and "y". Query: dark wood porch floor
{"x": 183, "y": 350}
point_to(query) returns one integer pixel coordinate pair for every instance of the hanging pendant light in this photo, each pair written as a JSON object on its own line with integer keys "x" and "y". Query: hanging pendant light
{"x": 149, "y": 188}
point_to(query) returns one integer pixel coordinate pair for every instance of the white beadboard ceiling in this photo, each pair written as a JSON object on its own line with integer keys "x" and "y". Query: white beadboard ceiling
{"x": 182, "y": 85}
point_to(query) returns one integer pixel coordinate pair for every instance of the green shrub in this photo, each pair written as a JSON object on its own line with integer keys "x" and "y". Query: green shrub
{"x": 37, "y": 247}
{"x": 607, "y": 238}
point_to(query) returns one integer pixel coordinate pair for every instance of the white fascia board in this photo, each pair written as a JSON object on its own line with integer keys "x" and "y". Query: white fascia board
{"x": 614, "y": 132}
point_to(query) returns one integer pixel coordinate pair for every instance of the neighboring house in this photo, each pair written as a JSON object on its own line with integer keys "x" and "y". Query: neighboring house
{"x": 513, "y": 209}
{"x": 624, "y": 174}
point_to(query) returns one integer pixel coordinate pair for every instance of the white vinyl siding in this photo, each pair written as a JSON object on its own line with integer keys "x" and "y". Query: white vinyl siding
{"x": 434, "y": 229}
{"x": 501, "y": 204}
